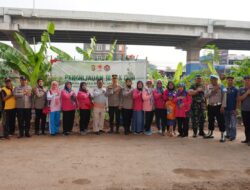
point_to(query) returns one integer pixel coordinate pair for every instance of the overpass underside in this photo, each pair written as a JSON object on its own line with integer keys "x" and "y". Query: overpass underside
{"x": 128, "y": 38}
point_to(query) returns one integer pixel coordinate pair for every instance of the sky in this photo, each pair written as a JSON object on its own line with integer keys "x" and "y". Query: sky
{"x": 160, "y": 56}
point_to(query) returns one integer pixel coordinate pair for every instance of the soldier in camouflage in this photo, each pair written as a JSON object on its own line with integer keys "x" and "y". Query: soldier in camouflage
{"x": 198, "y": 106}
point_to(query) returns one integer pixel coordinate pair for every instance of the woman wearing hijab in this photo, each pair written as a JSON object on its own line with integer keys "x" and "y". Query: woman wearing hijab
{"x": 54, "y": 103}
{"x": 85, "y": 104}
{"x": 183, "y": 103}
{"x": 69, "y": 104}
{"x": 138, "y": 114}
{"x": 160, "y": 109}
{"x": 148, "y": 106}
{"x": 170, "y": 90}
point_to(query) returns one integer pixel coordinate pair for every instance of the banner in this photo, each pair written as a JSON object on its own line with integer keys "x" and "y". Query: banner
{"x": 89, "y": 72}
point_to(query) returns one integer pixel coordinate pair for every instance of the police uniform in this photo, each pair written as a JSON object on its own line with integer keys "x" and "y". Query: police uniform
{"x": 216, "y": 101}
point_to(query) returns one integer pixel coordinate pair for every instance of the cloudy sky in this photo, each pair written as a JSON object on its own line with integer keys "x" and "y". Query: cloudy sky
{"x": 161, "y": 56}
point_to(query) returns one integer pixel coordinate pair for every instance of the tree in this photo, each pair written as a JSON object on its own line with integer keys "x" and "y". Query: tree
{"x": 25, "y": 60}
{"x": 87, "y": 54}
{"x": 178, "y": 74}
{"x": 109, "y": 57}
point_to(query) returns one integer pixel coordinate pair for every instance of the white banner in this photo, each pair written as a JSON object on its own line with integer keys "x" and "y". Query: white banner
{"x": 89, "y": 72}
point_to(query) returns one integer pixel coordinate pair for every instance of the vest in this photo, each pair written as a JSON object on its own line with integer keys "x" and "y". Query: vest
{"x": 10, "y": 103}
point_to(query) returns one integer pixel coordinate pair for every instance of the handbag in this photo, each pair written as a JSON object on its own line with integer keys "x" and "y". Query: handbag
{"x": 46, "y": 110}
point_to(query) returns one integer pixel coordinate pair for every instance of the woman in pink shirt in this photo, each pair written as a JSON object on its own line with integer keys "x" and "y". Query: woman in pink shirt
{"x": 85, "y": 104}
{"x": 69, "y": 104}
{"x": 160, "y": 109}
{"x": 148, "y": 106}
{"x": 54, "y": 103}
{"x": 138, "y": 114}
{"x": 183, "y": 102}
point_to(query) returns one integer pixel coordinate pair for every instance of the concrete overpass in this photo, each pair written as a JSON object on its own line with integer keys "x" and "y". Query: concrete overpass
{"x": 190, "y": 34}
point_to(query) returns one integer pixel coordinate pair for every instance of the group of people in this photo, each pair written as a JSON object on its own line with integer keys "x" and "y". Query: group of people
{"x": 133, "y": 107}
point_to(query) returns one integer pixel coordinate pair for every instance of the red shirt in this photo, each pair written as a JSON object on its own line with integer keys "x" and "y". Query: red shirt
{"x": 84, "y": 100}
{"x": 67, "y": 103}
{"x": 137, "y": 100}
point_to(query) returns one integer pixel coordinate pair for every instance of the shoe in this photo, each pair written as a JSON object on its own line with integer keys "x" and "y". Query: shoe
{"x": 179, "y": 135}
{"x": 201, "y": 133}
{"x": 248, "y": 143}
{"x": 163, "y": 133}
{"x": 52, "y": 135}
{"x": 227, "y": 137}
{"x": 223, "y": 139}
{"x": 101, "y": 131}
{"x": 27, "y": 135}
{"x": 97, "y": 133}
{"x": 209, "y": 135}
{"x": 20, "y": 136}
{"x": 245, "y": 141}
{"x": 231, "y": 139}
{"x": 160, "y": 131}
{"x": 111, "y": 132}
{"x": 83, "y": 133}
{"x": 65, "y": 134}
{"x": 194, "y": 135}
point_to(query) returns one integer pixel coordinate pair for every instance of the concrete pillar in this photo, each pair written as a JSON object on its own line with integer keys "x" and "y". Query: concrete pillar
{"x": 193, "y": 60}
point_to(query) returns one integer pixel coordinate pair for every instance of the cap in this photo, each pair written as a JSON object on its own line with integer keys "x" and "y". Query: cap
{"x": 23, "y": 78}
{"x": 7, "y": 79}
{"x": 149, "y": 81}
{"x": 230, "y": 77}
{"x": 247, "y": 77}
{"x": 198, "y": 76}
{"x": 114, "y": 76}
{"x": 214, "y": 77}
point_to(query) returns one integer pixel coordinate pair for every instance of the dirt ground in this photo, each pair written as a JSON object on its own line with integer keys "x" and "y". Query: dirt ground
{"x": 115, "y": 162}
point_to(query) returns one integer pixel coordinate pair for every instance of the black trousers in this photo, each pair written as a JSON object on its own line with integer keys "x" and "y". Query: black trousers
{"x": 127, "y": 118}
{"x": 246, "y": 122}
{"x": 68, "y": 120}
{"x": 114, "y": 112}
{"x": 183, "y": 126}
{"x": 161, "y": 120}
{"x": 84, "y": 119}
{"x": 40, "y": 121}
{"x": 10, "y": 121}
{"x": 214, "y": 112}
{"x": 23, "y": 117}
{"x": 149, "y": 115}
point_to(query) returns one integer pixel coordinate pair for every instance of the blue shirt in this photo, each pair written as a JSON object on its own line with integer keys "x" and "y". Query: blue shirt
{"x": 232, "y": 94}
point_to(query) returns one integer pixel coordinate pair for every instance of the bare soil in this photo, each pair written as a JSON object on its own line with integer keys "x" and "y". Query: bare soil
{"x": 117, "y": 162}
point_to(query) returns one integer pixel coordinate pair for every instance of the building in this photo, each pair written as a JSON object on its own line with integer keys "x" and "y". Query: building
{"x": 101, "y": 51}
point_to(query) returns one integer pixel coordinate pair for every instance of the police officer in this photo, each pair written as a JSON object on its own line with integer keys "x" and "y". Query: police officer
{"x": 113, "y": 93}
{"x": 198, "y": 106}
{"x": 216, "y": 96}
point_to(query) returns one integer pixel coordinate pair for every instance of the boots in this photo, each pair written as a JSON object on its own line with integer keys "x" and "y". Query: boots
{"x": 117, "y": 130}
{"x": 223, "y": 139}
{"x": 201, "y": 131}
{"x": 209, "y": 135}
{"x": 195, "y": 132}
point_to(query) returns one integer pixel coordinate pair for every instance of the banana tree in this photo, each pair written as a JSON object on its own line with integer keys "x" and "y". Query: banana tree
{"x": 109, "y": 56}
{"x": 87, "y": 54}
{"x": 61, "y": 54}
{"x": 178, "y": 73}
{"x": 25, "y": 60}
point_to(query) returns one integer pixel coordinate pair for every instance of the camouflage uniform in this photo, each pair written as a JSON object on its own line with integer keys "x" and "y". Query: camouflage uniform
{"x": 198, "y": 108}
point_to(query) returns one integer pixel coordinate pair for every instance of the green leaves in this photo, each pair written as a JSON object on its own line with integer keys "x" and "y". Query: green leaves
{"x": 62, "y": 54}
{"x": 28, "y": 62}
{"x": 109, "y": 57}
{"x": 88, "y": 53}
{"x": 178, "y": 74}
{"x": 51, "y": 28}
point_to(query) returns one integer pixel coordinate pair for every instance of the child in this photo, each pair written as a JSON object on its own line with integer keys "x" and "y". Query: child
{"x": 171, "y": 107}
